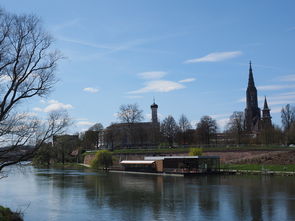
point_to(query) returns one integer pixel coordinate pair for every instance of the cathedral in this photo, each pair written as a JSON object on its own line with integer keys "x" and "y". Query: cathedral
{"x": 254, "y": 122}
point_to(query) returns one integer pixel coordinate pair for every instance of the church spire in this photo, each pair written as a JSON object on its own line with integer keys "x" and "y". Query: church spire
{"x": 265, "y": 107}
{"x": 252, "y": 111}
{"x": 266, "y": 118}
{"x": 251, "y": 79}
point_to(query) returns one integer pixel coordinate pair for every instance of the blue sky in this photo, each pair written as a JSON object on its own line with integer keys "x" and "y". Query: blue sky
{"x": 192, "y": 56}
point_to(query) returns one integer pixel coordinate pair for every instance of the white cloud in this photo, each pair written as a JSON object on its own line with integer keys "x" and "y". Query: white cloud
{"x": 91, "y": 89}
{"x": 215, "y": 57}
{"x": 38, "y": 109}
{"x": 222, "y": 123}
{"x": 152, "y": 74}
{"x": 85, "y": 123}
{"x": 158, "y": 86}
{"x": 290, "y": 77}
{"x": 275, "y": 87}
{"x": 54, "y": 105}
{"x": 187, "y": 80}
{"x": 215, "y": 116}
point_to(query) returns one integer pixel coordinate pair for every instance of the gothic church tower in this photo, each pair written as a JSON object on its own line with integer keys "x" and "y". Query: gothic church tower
{"x": 266, "y": 118}
{"x": 154, "y": 108}
{"x": 252, "y": 111}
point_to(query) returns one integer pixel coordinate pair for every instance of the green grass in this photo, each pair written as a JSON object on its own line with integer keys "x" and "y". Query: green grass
{"x": 283, "y": 168}
{"x": 186, "y": 149}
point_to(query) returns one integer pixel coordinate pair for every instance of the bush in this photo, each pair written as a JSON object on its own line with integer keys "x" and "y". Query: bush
{"x": 195, "y": 152}
{"x": 103, "y": 160}
{"x": 7, "y": 215}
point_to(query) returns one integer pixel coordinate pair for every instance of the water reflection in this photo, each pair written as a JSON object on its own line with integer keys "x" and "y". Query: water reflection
{"x": 85, "y": 195}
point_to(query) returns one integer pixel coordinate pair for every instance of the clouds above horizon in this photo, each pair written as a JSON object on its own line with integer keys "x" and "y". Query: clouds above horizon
{"x": 91, "y": 90}
{"x": 187, "y": 80}
{"x": 85, "y": 123}
{"x": 277, "y": 99}
{"x": 158, "y": 86}
{"x": 154, "y": 83}
{"x": 53, "y": 105}
{"x": 290, "y": 77}
{"x": 215, "y": 57}
{"x": 152, "y": 74}
{"x": 275, "y": 87}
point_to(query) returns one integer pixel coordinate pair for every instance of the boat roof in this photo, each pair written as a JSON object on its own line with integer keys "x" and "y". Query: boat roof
{"x": 137, "y": 161}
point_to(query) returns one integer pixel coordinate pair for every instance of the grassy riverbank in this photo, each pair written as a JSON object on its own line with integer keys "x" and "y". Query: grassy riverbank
{"x": 7, "y": 215}
{"x": 257, "y": 167}
{"x": 186, "y": 149}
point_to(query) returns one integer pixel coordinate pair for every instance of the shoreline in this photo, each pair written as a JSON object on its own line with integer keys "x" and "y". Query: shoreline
{"x": 221, "y": 172}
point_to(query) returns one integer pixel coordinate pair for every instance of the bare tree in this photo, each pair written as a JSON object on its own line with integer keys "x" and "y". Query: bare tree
{"x": 27, "y": 66}
{"x": 130, "y": 113}
{"x": 92, "y": 136}
{"x": 206, "y": 129}
{"x": 184, "y": 126}
{"x": 96, "y": 127}
{"x": 288, "y": 121}
{"x": 235, "y": 126}
{"x": 27, "y": 135}
{"x": 169, "y": 129}
{"x": 288, "y": 116}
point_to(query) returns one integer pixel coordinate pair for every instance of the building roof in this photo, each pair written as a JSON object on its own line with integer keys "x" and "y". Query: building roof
{"x": 180, "y": 157}
{"x": 137, "y": 161}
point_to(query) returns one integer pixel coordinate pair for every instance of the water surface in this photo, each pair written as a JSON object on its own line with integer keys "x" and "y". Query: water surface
{"x": 72, "y": 195}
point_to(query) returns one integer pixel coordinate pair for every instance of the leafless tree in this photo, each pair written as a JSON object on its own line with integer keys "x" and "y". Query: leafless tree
{"x": 288, "y": 116}
{"x": 288, "y": 122}
{"x": 96, "y": 127}
{"x": 206, "y": 129}
{"x": 184, "y": 126}
{"x": 27, "y": 70}
{"x": 235, "y": 126}
{"x": 184, "y": 123}
{"x": 91, "y": 137}
{"x": 26, "y": 135}
{"x": 169, "y": 129}
{"x": 130, "y": 113}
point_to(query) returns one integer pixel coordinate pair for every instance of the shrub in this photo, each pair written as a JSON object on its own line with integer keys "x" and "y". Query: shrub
{"x": 7, "y": 215}
{"x": 195, "y": 152}
{"x": 103, "y": 160}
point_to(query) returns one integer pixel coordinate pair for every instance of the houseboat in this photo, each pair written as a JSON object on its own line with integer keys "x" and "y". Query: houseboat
{"x": 174, "y": 164}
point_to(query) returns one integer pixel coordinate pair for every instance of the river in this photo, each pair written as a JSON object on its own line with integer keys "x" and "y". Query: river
{"x": 72, "y": 195}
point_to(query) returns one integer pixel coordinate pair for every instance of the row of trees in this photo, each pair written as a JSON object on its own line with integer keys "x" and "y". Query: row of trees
{"x": 267, "y": 135}
{"x": 206, "y": 130}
